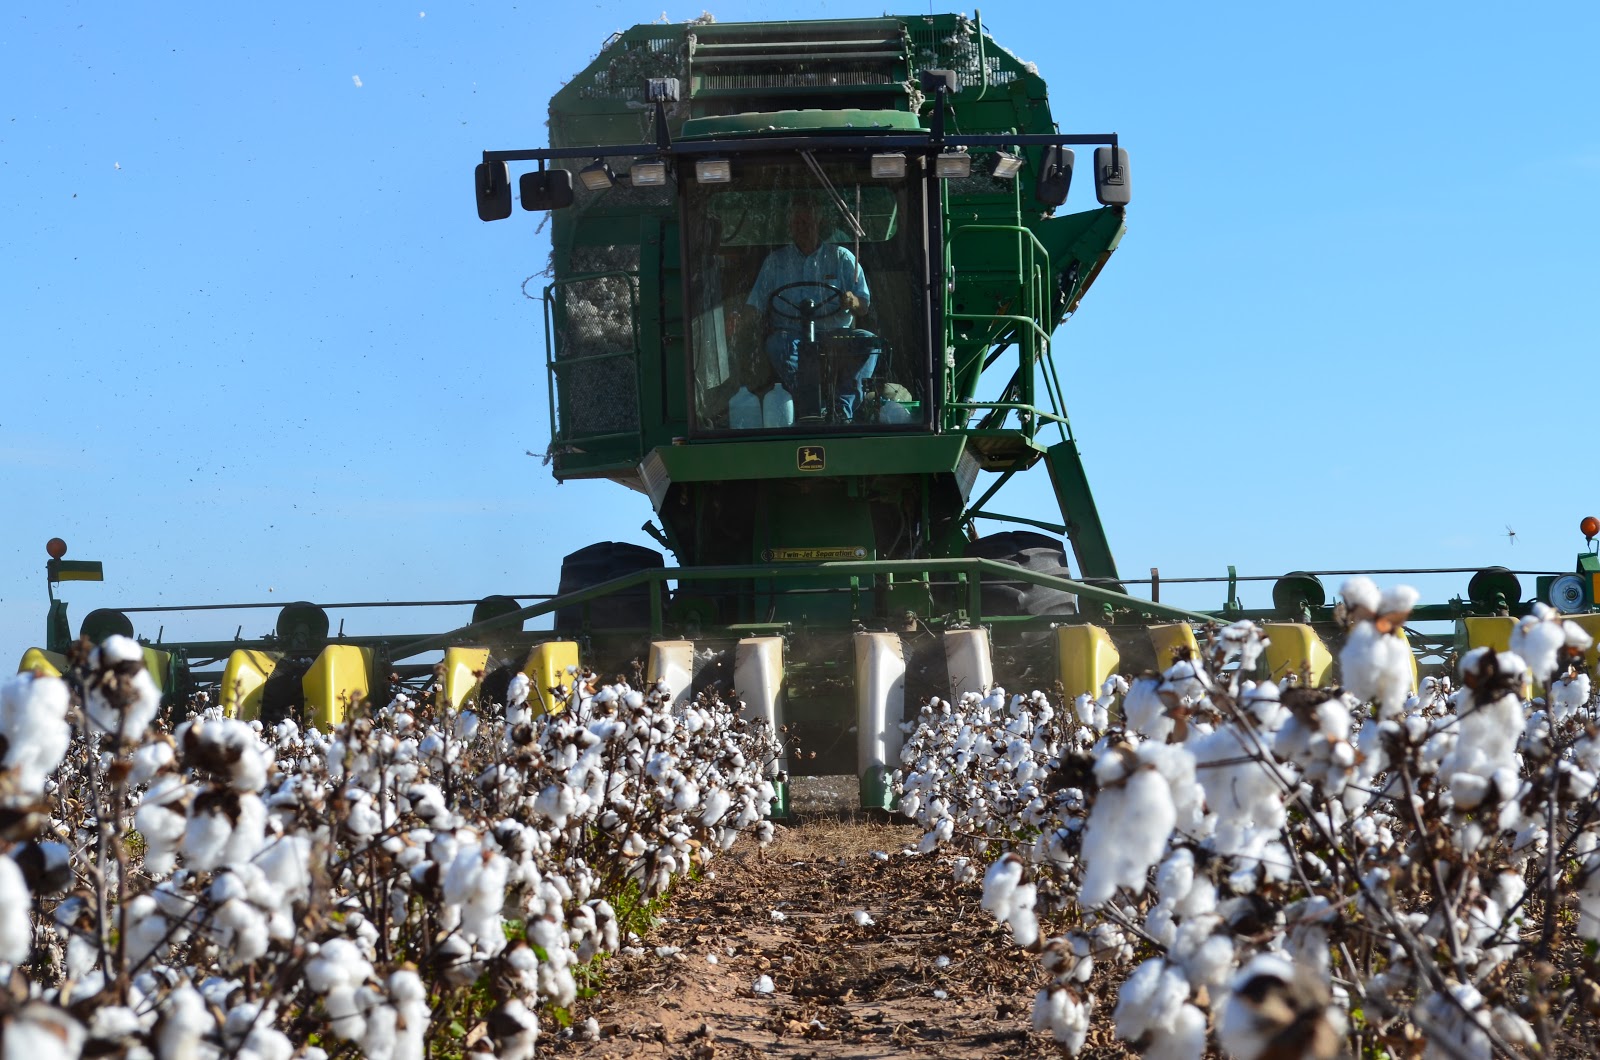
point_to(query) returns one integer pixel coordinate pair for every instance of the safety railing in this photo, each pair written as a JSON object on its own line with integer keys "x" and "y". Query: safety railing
{"x": 557, "y": 366}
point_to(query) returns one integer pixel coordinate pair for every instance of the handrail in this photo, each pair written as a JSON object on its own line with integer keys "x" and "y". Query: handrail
{"x": 554, "y": 363}
{"x": 1013, "y": 406}
{"x": 1030, "y": 274}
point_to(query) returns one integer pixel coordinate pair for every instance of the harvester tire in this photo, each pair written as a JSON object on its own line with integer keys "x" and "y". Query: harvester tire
{"x": 1030, "y": 551}
{"x": 598, "y": 563}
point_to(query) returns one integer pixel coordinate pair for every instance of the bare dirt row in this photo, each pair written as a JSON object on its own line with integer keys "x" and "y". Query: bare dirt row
{"x": 924, "y": 973}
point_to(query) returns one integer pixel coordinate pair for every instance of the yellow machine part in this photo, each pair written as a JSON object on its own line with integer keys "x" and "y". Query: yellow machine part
{"x": 1490, "y": 632}
{"x": 1295, "y": 648}
{"x": 1168, "y": 639}
{"x": 340, "y": 674}
{"x": 1085, "y": 657}
{"x": 463, "y": 669}
{"x": 50, "y": 663}
{"x": 547, "y": 667}
{"x": 53, "y": 663}
{"x": 159, "y": 663}
{"x": 244, "y": 681}
{"x": 1416, "y": 682}
{"x": 1494, "y": 632}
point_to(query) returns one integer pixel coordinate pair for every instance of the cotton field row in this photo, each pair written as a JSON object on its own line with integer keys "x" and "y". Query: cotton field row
{"x": 223, "y": 889}
{"x": 1284, "y": 871}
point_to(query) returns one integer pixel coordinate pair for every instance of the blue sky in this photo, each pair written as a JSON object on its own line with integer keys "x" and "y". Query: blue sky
{"x": 259, "y": 347}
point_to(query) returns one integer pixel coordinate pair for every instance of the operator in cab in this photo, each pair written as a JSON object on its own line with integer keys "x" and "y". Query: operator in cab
{"x": 803, "y": 292}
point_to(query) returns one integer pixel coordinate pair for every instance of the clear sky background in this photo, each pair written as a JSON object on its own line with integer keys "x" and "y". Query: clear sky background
{"x": 257, "y": 345}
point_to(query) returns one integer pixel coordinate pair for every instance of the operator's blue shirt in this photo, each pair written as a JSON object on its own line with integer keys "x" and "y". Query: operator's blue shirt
{"x": 829, "y": 264}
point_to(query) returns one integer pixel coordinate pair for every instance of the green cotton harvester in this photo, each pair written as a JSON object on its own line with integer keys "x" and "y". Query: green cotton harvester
{"x": 805, "y": 278}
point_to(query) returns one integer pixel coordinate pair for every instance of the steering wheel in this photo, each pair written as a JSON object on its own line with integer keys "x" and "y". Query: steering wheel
{"x": 798, "y": 311}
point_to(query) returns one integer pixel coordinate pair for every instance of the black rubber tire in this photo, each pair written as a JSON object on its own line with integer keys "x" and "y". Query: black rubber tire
{"x": 1030, "y": 551}
{"x": 598, "y": 563}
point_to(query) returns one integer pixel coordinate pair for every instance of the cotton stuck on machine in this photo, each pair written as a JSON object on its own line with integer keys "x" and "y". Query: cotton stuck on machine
{"x": 806, "y": 277}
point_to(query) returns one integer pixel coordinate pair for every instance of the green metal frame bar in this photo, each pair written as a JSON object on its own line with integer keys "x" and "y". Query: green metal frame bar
{"x": 1054, "y": 528}
{"x": 971, "y": 571}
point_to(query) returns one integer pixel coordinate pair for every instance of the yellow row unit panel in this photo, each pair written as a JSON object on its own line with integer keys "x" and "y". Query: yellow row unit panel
{"x": 339, "y": 675}
{"x": 1085, "y": 657}
{"x": 1168, "y": 640}
{"x": 49, "y": 663}
{"x": 1416, "y": 681}
{"x": 159, "y": 663}
{"x": 463, "y": 673}
{"x": 244, "y": 682}
{"x": 547, "y": 666}
{"x": 1295, "y": 648}
{"x": 1493, "y": 631}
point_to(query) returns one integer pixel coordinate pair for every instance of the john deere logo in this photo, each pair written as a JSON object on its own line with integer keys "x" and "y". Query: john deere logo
{"x": 811, "y": 458}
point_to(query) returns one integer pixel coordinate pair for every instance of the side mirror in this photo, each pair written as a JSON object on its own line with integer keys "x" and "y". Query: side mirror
{"x": 1055, "y": 175}
{"x": 491, "y": 181}
{"x": 547, "y": 189}
{"x": 1111, "y": 184}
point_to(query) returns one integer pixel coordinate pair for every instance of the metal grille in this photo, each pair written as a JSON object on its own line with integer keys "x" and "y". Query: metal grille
{"x": 798, "y": 79}
{"x": 958, "y": 51}
{"x": 629, "y": 63}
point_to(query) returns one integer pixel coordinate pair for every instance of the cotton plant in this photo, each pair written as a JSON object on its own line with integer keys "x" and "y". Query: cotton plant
{"x": 1246, "y": 860}
{"x": 249, "y": 883}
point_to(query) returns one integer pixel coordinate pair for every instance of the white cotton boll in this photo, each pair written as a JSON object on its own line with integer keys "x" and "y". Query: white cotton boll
{"x": 516, "y": 1029}
{"x": 381, "y": 1036}
{"x": 16, "y": 925}
{"x": 1398, "y": 599}
{"x": 1376, "y": 668}
{"x": 1186, "y": 1040}
{"x": 763, "y": 985}
{"x": 717, "y": 804}
{"x": 1150, "y": 1000}
{"x": 1266, "y": 997}
{"x": 268, "y": 1043}
{"x": 1538, "y": 638}
{"x": 205, "y": 838}
{"x": 1468, "y": 790}
{"x": 862, "y": 918}
{"x": 148, "y": 760}
{"x": 1060, "y": 1011}
{"x": 516, "y": 695}
{"x": 346, "y": 1011}
{"x": 33, "y": 712}
{"x": 999, "y": 884}
{"x": 1589, "y": 898}
{"x": 1145, "y": 710}
{"x": 120, "y": 696}
{"x": 185, "y": 1020}
{"x": 1567, "y": 696}
{"x": 1361, "y": 592}
{"x": 1126, "y": 834}
{"x": 1210, "y": 964}
{"x": 146, "y": 928}
{"x": 1175, "y": 877}
{"x": 1022, "y": 917}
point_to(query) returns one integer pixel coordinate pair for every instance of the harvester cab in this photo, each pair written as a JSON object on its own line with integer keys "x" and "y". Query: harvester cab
{"x": 804, "y": 281}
